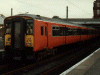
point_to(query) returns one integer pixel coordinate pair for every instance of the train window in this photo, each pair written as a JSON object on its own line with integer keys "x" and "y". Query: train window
{"x": 75, "y": 31}
{"x": 93, "y": 31}
{"x": 79, "y": 31}
{"x": 55, "y": 30}
{"x": 29, "y": 27}
{"x": 45, "y": 31}
{"x": 89, "y": 32}
{"x": 86, "y": 32}
{"x": 70, "y": 31}
{"x": 61, "y": 31}
{"x": 83, "y": 32}
{"x": 66, "y": 32}
{"x": 41, "y": 30}
{"x": 8, "y": 28}
{"x": 53, "y": 27}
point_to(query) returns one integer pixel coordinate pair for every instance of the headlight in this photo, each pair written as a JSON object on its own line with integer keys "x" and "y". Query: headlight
{"x": 28, "y": 43}
{"x": 8, "y": 42}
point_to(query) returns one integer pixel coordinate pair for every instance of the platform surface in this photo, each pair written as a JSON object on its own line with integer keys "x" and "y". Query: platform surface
{"x": 88, "y": 66}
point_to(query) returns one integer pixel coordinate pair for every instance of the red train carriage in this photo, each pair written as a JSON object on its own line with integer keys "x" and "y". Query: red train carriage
{"x": 27, "y": 34}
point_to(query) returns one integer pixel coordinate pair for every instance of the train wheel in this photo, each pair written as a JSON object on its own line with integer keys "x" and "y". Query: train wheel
{"x": 54, "y": 52}
{"x": 37, "y": 58}
{"x": 40, "y": 56}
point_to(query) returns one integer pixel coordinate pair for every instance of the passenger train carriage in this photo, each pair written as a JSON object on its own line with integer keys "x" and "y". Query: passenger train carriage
{"x": 26, "y": 34}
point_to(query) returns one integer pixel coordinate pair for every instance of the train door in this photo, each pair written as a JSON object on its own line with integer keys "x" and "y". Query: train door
{"x": 46, "y": 35}
{"x": 17, "y": 33}
{"x": 17, "y": 40}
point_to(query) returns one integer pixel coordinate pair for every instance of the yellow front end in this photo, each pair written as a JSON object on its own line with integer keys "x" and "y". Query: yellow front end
{"x": 7, "y": 39}
{"x": 29, "y": 40}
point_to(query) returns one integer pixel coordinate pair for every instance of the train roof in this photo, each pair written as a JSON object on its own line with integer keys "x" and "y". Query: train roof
{"x": 54, "y": 20}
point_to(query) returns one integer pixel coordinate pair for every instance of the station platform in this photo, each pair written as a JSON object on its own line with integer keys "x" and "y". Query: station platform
{"x": 88, "y": 66}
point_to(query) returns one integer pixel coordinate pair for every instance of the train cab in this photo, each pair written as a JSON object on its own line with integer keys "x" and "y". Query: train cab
{"x": 19, "y": 34}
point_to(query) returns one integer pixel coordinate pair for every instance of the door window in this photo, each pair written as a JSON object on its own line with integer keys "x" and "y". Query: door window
{"x": 45, "y": 31}
{"x": 42, "y": 30}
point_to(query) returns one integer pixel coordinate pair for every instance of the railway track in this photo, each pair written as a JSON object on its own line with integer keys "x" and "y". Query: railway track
{"x": 32, "y": 65}
{"x": 44, "y": 67}
{"x": 76, "y": 57}
{"x": 57, "y": 69}
{"x": 3, "y": 66}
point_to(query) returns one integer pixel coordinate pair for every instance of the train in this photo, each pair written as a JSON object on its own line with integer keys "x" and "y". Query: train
{"x": 33, "y": 36}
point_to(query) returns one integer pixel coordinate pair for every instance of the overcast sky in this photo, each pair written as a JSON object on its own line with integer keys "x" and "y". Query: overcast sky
{"x": 48, "y": 8}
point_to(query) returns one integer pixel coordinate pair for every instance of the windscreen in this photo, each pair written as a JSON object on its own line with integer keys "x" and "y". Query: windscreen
{"x": 8, "y": 28}
{"x": 29, "y": 26}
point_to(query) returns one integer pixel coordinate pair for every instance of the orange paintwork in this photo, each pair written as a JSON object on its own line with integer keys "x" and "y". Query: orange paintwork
{"x": 41, "y": 41}
{"x": 72, "y": 39}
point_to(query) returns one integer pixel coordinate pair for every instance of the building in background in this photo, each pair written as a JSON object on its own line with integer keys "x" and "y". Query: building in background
{"x": 2, "y": 17}
{"x": 96, "y": 9}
